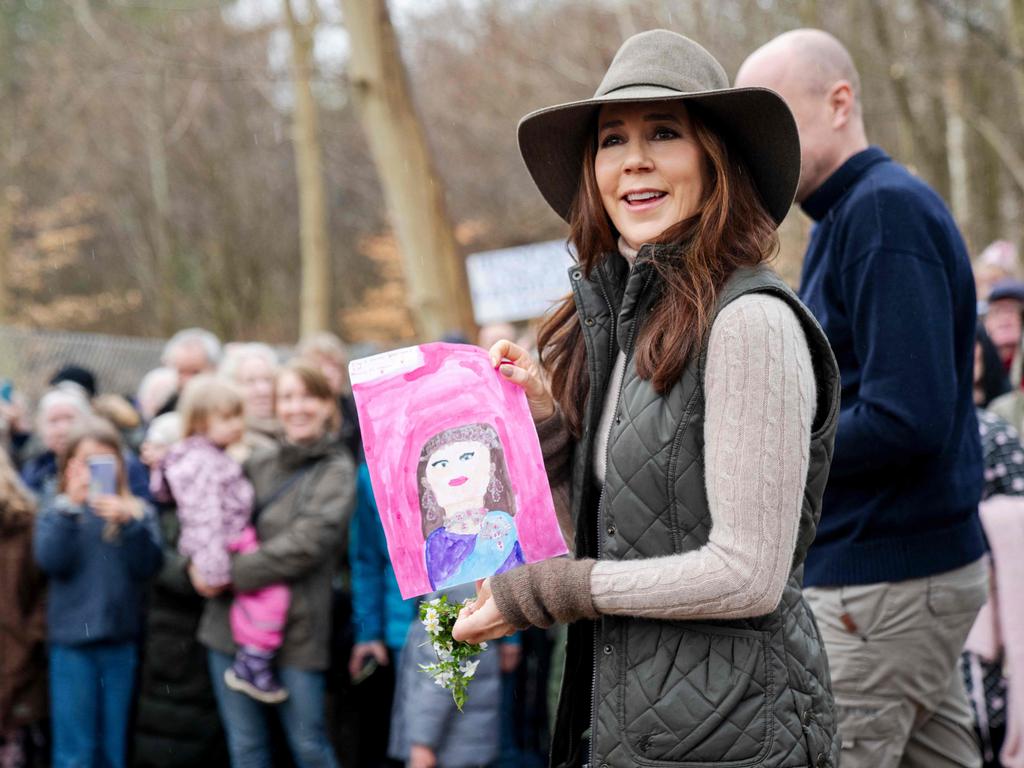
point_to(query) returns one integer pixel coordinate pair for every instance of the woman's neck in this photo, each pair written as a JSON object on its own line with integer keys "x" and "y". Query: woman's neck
{"x": 628, "y": 252}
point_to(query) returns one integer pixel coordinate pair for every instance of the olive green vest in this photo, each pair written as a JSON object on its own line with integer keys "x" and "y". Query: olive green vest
{"x": 749, "y": 692}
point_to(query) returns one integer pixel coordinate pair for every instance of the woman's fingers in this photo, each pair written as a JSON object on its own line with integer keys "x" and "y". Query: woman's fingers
{"x": 515, "y": 364}
{"x": 486, "y": 623}
{"x": 506, "y": 350}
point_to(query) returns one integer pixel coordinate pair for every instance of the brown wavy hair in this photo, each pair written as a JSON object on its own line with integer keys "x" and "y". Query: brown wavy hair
{"x": 17, "y": 506}
{"x": 730, "y": 229}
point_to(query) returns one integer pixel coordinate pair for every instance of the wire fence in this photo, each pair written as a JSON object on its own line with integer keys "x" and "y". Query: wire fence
{"x": 31, "y": 357}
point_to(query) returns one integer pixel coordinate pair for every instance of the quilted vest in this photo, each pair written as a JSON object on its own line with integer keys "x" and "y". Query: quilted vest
{"x": 659, "y": 694}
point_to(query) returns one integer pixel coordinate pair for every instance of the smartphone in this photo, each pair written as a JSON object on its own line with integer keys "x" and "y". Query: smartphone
{"x": 369, "y": 666}
{"x": 6, "y": 390}
{"x": 102, "y": 476}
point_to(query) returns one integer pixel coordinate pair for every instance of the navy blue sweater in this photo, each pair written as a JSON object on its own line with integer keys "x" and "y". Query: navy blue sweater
{"x": 96, "y": 586}
{"x": 887, "y": 275}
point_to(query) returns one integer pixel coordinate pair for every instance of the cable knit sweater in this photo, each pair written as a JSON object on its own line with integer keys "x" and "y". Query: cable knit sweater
{"x": 760, "y": 398}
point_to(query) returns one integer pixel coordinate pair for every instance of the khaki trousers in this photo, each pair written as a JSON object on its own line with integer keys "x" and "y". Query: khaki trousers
{"x": 892, "y": 651}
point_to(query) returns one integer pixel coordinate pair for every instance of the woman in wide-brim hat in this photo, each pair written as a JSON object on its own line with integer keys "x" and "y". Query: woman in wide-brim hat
{"x": 687, "y": 408}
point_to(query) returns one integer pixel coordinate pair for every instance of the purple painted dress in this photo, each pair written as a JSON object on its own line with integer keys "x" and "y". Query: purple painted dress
{"x": 458, "y": 558}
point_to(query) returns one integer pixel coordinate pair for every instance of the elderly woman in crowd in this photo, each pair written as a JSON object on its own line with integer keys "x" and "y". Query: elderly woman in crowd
{"x": 59, "y": 412}
{"x": 252, "y": 367}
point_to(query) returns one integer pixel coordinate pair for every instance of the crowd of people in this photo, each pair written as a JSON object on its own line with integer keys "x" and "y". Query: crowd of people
{"x": 227, "y": 595}
{"x": 771, "y": 498}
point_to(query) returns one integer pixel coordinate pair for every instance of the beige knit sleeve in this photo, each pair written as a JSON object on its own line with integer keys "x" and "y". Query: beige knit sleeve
{"x": 759, "y": 406}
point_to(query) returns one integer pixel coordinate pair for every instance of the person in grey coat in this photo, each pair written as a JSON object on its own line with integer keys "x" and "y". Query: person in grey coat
{"x": 305, "y": 493}
{"x": 427, "y": 731}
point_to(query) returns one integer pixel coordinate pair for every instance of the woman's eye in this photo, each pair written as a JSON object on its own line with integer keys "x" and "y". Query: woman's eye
{"x": 666, "y": 133}
{"x": 440, "y": 463}
{"x": 611, "y": 140}
{"x": 467, "y": 456}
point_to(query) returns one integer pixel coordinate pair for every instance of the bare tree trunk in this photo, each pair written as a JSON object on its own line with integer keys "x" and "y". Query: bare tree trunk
{"x": 956, "y": 143}
{"x": 898, "y": 80}
{"x": 156, "y": 156}
{"x": 810, "y": 14}
{"x": 315, "y": 306}
{"x": 1015, "y": 9}
{"x": 435, "y": 272}
{"x": 940, "y": 60}
{"x": 8, "y": 203}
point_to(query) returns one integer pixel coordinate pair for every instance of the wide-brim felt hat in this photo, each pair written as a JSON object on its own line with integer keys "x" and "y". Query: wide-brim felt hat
{"x": 660, "y": 65}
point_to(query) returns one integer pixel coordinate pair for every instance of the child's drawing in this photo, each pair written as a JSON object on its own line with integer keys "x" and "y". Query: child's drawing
{"x": 468, "y": 506}
{"x": 455, "y": 464}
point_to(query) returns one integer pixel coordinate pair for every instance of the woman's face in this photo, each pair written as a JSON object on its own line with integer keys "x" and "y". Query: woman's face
{"x": 333, "y": 371}
{"x": 458, "y": 474}
{"x": 56, "y": 425}
{"x": 303, "y": 416}
{"x": 649, "y": 168}
{"x": 256, "y": 378}
{"x": 77, "y": 475}
{"x": 1003, "y": 325}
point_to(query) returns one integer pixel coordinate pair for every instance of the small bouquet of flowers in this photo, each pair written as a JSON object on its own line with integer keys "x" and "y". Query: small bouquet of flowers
{"x": 454, "y": 668}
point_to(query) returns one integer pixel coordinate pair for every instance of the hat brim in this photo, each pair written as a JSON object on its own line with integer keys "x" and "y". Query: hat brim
{"x": 754, "y": 121}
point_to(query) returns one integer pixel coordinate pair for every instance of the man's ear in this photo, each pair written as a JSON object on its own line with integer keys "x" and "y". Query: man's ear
{"x": 842, "y": 103}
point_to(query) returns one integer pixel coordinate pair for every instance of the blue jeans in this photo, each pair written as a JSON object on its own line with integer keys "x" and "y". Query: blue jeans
{"x": 91, "y": 690}
{"x": 301, "y": 715}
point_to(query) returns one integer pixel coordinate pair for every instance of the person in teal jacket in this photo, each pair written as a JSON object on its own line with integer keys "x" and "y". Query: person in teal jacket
{"x": 380, "y": 617}
{"x": 380, "y": 623}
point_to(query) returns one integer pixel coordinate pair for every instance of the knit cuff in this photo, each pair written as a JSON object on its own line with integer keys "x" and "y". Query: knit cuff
{"x": 542, "y": 593}
{"x": 553, "y": 434}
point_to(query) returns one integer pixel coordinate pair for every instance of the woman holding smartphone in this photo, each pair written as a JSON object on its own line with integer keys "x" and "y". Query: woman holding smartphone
{"x": 99, "y": 545}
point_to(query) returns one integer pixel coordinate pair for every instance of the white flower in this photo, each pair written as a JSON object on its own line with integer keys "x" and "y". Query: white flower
{"x": 468, "y": 668}
{"x": 435, "y": 602}
{"x": 431, "y": 621}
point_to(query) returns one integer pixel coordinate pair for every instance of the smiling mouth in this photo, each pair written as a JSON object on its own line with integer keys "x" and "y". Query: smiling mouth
{"x": 643, "y": 199}
{"x": 458, "y": 481}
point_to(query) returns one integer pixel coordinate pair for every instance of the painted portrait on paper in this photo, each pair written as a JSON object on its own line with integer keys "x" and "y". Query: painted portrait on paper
{"x": 468, "y": 506}
{"x": 455, "y": 465}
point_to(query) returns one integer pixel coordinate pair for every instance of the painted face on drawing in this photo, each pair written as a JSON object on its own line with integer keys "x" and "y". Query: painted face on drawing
{"x": 458, "y": 474}
{"x": 649, "y": 168}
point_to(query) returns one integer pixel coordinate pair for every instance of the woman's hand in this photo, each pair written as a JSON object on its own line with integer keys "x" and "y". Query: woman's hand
{"x": 76, "y": 481}
{"x": 421, "y": 757}
{"x": 482, "y": 620}
{"x": 515, "y": 364}
{"x": 362, "y": 651}
{"x": 117, "y": 510}
{"x": 152, "y": 454}
{"x": 201, "y": 587}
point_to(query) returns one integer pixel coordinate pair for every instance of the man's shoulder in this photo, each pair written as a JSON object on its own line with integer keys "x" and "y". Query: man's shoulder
{"x": 890, "y": 189}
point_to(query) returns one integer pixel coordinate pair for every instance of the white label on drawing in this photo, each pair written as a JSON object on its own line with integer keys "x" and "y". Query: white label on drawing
{"x": 385, "y": 364}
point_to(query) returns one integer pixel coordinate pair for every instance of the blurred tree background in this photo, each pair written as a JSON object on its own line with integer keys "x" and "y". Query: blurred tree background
{"x": 148, "y": 178}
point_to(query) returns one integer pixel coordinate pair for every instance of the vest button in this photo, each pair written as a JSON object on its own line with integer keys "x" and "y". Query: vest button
{"x": 608, "y": 650}
{"x": 808, "y": 716}
{"x": 577, "y": 274}
{"x": 611, "y": 530}
{"x": 821, "y": 762}
{"x": 589, "y": 321}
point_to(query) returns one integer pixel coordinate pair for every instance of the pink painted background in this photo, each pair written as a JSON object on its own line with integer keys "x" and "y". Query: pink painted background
{"x": 398, "y": 413}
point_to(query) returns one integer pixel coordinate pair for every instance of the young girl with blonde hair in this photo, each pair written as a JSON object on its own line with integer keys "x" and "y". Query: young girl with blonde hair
{"x": 215, "y": 509}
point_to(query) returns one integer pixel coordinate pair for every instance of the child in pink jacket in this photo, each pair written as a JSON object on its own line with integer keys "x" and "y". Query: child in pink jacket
{"x": 215, "y": 508}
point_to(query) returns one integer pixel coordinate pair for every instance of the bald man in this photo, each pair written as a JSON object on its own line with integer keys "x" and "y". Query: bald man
{"x": 895, "y": 575}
